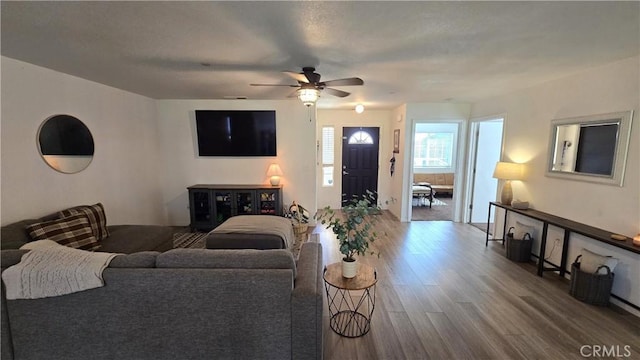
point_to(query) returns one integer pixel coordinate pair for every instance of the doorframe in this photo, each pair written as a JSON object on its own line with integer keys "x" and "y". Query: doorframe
{"x": 474, "y": 125}
{"x": 332, "y": 195}
{"x": 459, "y": 170}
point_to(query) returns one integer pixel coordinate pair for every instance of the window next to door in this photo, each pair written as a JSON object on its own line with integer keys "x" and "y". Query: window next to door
{"x": 327, "y": 155}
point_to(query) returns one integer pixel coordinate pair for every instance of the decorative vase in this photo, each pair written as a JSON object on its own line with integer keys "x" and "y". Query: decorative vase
{"x": 349, "y": 268}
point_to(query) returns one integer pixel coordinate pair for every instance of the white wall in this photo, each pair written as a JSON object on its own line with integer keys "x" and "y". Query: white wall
{"x": 398, "y": 121}
{"x": 123, "y": 173}
{"x": 332, "y": 195}
{"x": 485, "y": 187}
{"x": 295, "y": 135}
{"x": 610, "y": 88}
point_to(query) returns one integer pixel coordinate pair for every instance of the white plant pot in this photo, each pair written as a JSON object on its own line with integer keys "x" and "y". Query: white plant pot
{"x": 349, "y": 269}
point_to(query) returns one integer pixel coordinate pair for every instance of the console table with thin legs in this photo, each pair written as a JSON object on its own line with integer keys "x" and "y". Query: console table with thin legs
{"x": 567, "y": 225}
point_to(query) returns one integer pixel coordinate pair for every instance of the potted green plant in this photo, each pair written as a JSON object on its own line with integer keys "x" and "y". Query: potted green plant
{"x": 354, "y": 228}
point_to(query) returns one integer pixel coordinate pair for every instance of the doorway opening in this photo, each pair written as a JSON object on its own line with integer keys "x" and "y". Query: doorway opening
{"x": 485, "y": 149}
{"x": 435, "y": 152}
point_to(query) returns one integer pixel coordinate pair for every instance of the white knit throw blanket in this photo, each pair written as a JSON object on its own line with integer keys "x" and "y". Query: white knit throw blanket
{"x": 51, "y": 269}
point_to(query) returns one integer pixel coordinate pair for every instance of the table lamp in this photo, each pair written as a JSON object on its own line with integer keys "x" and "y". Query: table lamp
{"x": 274, "y": 174}
{"x": 508, "y": 171}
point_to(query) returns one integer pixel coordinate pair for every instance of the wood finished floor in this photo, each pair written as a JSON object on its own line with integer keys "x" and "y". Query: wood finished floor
{"x": 442, "y": 294}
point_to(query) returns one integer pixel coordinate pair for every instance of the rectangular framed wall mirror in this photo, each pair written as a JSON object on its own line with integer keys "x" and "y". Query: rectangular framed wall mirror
{"x": 590, "y": 148}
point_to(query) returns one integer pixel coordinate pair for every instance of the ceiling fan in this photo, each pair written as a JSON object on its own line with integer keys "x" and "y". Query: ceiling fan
{"x": 309, "y": 85}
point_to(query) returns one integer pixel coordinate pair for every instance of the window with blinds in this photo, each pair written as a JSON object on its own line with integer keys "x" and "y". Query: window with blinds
{"x": 327, "y": 155}
{"x": 433, "y": 150}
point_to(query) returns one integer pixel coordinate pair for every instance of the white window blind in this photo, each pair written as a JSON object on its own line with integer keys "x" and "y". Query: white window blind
{"x": 327, "y": 155}
{"x": 327, "y": 145}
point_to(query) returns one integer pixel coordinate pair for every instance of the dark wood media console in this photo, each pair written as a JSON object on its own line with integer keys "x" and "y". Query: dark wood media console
{"x": 210, "y": 205}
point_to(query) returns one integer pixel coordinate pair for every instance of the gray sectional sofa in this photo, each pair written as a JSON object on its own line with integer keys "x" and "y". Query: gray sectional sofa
{"x": 163, "y": 303}
{"x": 180, "y": 304}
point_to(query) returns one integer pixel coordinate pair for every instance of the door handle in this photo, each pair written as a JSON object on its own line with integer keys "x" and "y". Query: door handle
{"x": 344, "y": 172}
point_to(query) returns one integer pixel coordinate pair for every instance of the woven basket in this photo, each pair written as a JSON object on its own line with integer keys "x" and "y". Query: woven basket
{"x": 300, "y": 229}
{"x": 593, "y": 289}
{"x": 518, "y": 250}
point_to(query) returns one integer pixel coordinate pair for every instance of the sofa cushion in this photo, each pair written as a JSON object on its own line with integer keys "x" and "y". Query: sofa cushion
{"x": 11, "y": 257}
{"x": 448, "y": 179}
{"x": 73, "y": 231}
{"x": 143, "y": 259}
{"x": 128, "y": 239}
{"x": 14, "y": 235}
{"x": 96, "y": 215}
{"x": 435, "y": 179}
{"x": 227, "y": 259}
{"x": 440, "y": 182}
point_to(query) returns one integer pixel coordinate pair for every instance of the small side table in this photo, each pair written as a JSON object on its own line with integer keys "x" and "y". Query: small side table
{"x": 350, "y": 316}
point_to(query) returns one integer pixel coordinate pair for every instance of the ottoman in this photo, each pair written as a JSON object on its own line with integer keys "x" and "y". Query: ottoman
{"x": 252, "y": 232}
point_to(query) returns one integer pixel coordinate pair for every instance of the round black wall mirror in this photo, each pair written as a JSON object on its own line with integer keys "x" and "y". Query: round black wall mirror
{"x": 65, "y": 143}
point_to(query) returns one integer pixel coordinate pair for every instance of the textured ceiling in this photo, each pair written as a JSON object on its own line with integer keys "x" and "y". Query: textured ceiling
{"x": 404, "y": 51}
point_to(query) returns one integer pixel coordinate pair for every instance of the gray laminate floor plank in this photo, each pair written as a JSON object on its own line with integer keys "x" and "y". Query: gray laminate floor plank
{"x": 442, "y": 294}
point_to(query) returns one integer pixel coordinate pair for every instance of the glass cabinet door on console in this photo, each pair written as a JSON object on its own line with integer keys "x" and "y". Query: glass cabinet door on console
{"x": 223, "y": 206}
{"x": 245, "y": 202}
{"x": 268, "y": 202}
{"x": 201, "y": 208}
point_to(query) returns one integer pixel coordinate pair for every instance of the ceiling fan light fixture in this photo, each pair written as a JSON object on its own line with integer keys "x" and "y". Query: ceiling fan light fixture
{"x": 308, "y": 96}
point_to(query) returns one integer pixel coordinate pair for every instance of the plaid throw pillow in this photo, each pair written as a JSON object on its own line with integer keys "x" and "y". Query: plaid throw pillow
{"x": 73, "y": 231}
{"x": 95, "y": 214}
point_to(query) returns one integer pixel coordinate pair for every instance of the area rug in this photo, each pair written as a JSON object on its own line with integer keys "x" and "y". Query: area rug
{"x": 198, "y": 240}
{"x": 436, "y": 202}
{"x": 189, "y": 240}
{"x": 440, "y": 210}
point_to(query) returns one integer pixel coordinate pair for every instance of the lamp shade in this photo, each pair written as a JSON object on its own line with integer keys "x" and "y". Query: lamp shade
{"x": 274, "y": 170}
{"x": 508, "y": 171}
{"x": 274, "y": 174}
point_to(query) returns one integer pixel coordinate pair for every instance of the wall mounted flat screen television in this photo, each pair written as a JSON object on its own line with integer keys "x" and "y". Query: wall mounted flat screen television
{"x": 236, "y": 132}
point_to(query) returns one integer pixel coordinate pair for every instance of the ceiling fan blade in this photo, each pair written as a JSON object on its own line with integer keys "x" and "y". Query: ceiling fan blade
{"x": 274, "y": 85}
{"x": 344, "y": 82}
{"x": 293, "y": 94}
{"x": 297, "y": 76}
{"x": 336, "y": 92}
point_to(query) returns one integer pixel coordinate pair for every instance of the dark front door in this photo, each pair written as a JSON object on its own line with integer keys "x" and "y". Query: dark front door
{"x": 359, "y": 160}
